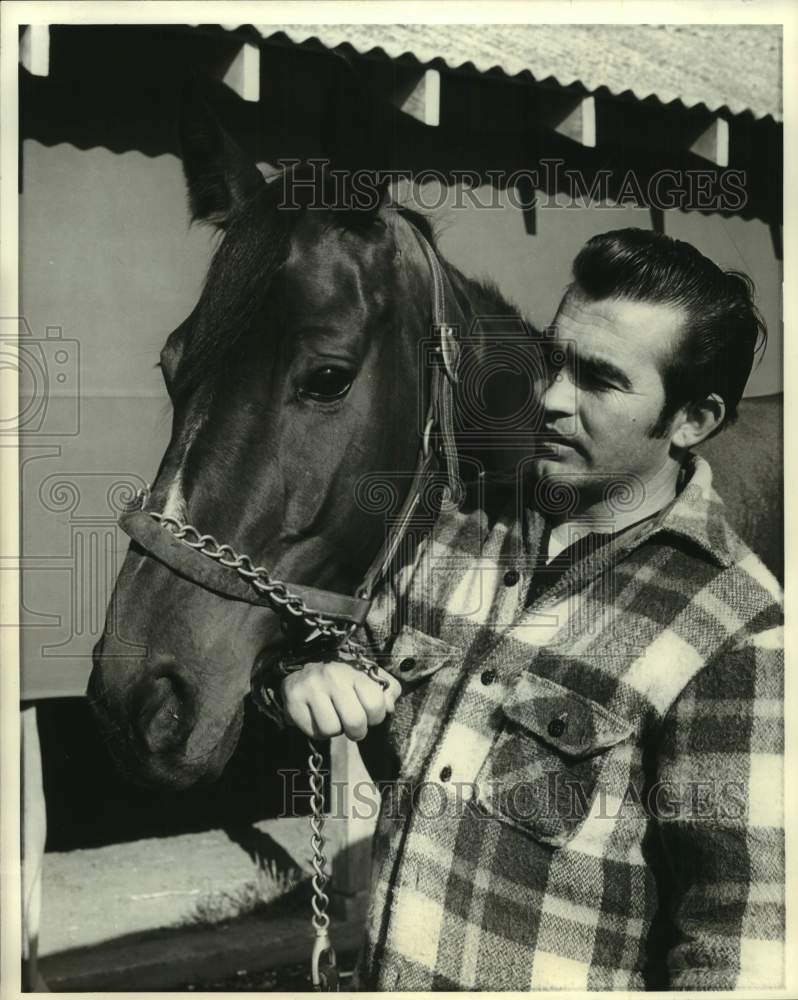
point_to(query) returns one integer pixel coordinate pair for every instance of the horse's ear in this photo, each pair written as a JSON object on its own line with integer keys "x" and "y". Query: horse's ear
{"x": 357, "y": 130}
{"x": 221, "y": 178}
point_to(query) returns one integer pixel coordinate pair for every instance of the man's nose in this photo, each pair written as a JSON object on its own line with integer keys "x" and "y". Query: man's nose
{"x": 558, "y": 396}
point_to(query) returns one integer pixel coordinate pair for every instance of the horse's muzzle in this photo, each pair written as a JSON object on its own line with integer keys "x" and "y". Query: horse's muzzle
{"x": 148, "y": 712}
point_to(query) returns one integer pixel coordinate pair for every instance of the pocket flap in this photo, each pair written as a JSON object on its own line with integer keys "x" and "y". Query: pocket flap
{"x": 560, "y": 717}
{"x": 416, "y": 655}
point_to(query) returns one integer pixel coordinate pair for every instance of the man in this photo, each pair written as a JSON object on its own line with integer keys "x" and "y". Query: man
{"x": 587, "y": 751}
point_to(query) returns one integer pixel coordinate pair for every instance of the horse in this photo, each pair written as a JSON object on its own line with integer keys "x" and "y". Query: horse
{"x": 299, "y": 372}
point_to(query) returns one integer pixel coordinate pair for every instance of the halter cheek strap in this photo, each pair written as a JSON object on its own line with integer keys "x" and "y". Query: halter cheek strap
{"x": 439, "y": 421}
{"x": 444, "y": 373}
{"x": 202, "y": 560}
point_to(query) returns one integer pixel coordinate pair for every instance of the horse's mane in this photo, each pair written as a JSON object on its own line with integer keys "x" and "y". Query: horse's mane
{"x": 482, "y": 295}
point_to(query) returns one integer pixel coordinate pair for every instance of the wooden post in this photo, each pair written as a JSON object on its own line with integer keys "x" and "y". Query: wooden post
{"x": 351, "y": 826}
{"x": 776, "y": 239}
{"x": 34, "y": 834}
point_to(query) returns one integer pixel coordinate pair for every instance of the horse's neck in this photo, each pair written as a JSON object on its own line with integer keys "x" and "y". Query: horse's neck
{"x": 487, "y": 316}
{"x": 473, "y": 296}
{"x": 481, "y": 301}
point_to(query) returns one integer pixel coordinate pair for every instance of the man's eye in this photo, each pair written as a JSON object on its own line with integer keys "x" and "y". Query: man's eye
{"x": 327, "y": 383}
{"x": 595, "y": 383}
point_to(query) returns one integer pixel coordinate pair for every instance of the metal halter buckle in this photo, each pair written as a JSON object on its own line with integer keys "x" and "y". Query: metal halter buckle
{"x": 425, "y": 441}
{"x": 450, "y": 352}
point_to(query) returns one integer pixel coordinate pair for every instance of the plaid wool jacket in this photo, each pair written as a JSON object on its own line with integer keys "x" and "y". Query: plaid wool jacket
{"x": 584, "y": 781}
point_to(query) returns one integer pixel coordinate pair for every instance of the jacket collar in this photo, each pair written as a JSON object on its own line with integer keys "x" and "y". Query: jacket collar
{"x": 697, "y": 515}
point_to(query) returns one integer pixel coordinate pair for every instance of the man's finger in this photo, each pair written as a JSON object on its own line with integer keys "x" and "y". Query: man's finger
{"x": 372, "y": 698}
{"x": 394, "y": 689}
{"x": 350, "y": 712}
{"x": 302, "y": 719}
{"x": 325, "y": 717}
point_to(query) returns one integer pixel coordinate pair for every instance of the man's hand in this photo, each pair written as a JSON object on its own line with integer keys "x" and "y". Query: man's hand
{"x": 326, "y": 699}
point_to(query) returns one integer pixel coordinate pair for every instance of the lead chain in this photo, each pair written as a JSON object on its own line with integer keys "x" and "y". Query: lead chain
{"x": 324, "y": 962}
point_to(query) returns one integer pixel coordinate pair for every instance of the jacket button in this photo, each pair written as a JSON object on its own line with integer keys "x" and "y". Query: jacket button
{"x": 407, "y": 664}
{"x": 446, "y": 773}
{"x": 488, "y": 677}
{"x": 511, "y": 577}
{"x": 556, "y": 727}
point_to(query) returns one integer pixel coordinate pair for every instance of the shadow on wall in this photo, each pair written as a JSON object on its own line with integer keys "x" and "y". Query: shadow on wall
{"x": 90, "y": 805}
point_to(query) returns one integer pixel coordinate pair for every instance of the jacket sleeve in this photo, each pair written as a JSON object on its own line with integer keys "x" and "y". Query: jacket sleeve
{"x": 720, "y": 818}
{"x": 378, "y": 634}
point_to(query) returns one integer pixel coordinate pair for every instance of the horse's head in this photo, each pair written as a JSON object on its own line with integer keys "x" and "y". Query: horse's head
{"x": 296, "y": 373}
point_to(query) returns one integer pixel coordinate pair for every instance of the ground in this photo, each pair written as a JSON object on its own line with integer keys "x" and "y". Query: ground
{"x": 198, "y": 911}
{"x": 289, "y": 978}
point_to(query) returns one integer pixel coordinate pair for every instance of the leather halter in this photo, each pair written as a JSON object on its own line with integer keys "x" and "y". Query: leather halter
{"x": 145, "y": 528}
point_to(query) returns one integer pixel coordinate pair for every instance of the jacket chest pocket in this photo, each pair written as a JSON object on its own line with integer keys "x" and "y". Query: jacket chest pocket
{"x": 541, "y": 775}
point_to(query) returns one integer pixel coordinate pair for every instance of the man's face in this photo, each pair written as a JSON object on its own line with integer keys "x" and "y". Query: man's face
{"x": 598, "y": 411}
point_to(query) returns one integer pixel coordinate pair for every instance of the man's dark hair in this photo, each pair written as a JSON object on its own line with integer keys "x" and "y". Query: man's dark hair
{"x": 723, "y": 329}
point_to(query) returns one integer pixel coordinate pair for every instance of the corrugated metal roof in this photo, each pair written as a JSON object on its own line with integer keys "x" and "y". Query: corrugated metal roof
{"x": 720, "y": 66}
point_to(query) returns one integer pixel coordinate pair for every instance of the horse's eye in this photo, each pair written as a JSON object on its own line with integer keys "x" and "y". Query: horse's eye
{"x": 327, "y": 383}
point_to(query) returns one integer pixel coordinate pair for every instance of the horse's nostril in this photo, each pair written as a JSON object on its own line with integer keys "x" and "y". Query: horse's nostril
{"x": 165, "y": 718}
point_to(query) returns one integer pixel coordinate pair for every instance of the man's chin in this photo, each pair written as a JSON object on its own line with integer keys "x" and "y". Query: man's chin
{"x": 560, "y": 484}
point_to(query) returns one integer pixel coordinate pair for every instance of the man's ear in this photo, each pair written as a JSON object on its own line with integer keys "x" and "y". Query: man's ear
{"x": 696, "y": 421}
{"x": 220, "y": 177}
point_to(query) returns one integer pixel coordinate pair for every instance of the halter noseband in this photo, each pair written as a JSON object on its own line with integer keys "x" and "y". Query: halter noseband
{"x": 202, "y": 560}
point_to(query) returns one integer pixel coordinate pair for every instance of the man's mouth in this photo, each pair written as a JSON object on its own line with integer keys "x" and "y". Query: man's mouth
{"x": 552, "y": 443}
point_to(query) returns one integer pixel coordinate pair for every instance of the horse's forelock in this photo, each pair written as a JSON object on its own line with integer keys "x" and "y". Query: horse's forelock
{"x": 254, "y": 247}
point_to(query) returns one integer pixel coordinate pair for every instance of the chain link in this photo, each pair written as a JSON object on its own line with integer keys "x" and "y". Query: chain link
{"x": 258, "y": 576}
{"x": 321, "y": 900}
{"x": 323, "y": 964}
